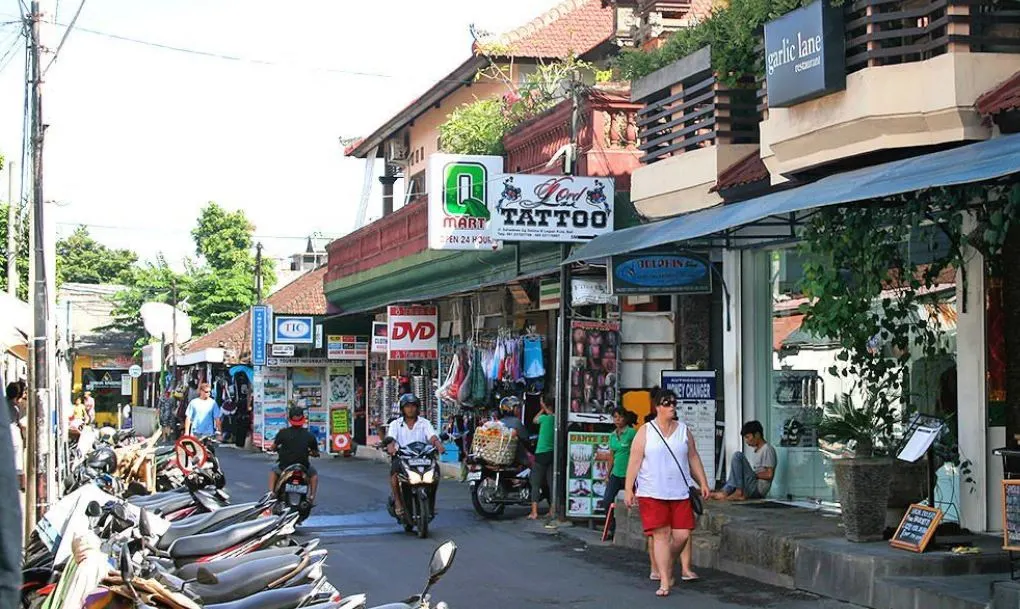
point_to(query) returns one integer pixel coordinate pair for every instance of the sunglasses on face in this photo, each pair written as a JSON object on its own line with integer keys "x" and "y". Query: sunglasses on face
{"x": 668, "y": 403}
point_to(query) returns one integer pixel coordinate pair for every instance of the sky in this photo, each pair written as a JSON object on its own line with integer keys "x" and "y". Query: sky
{"x": 140, "y": 137}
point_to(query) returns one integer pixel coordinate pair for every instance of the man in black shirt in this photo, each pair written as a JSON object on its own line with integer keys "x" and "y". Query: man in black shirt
{"x": 294, "y": 445}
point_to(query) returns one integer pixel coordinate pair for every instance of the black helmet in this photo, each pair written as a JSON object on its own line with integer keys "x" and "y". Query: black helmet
{"x": 408, "y": 399}
{"x": 508, "y": 404}
{"x": 103, "y": 460}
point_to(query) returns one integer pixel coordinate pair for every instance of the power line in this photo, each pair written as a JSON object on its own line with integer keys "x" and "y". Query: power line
{"x": 67, "y": 33}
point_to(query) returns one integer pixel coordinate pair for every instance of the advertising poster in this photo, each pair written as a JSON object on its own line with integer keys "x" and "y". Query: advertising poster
{"x": 587, "y": 473}
{"x": 696, "y": 394}
{"x": 274, "y": 404}
{"x": 343, "y": 347}
{"x": 341, "y": 398}
{"x": 593, "y": 366}
{"x": 413, "y": 332}
{"x": 459, "y": 190}
{"x": 532, "y": 207}
{"x": 306, "y": 392}
{"x": 259, "y": 396}
{"x": 380, "y": 337}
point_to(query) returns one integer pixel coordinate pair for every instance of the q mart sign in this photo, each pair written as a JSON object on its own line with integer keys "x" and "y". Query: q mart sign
{"x": 459, "y": 189}
{"x": 413, "y": 332}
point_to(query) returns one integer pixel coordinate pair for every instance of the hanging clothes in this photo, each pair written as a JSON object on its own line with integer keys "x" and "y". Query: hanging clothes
{"x": 479, "y": 384}
{"x": 534, "y": 367}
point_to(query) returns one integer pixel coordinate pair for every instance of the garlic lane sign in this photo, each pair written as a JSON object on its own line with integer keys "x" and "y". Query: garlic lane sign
{"x": 552, "y": 208}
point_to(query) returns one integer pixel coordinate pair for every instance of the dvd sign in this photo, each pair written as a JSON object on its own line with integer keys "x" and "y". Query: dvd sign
{"x": 413, "y": 332}
{"x": 553, "y": 208}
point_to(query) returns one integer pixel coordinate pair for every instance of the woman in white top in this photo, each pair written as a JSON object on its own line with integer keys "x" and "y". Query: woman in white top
{"x": 661, "y": 447}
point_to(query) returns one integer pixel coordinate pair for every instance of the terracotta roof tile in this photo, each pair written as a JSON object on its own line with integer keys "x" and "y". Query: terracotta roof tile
{"x": 745, "y": 171}
{"x": 303, "y": 296}
{"x": 1004, "y": 97}
{"x": 573, "y": 26}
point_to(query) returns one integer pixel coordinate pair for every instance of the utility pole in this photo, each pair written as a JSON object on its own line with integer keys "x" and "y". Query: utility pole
{"x": 563, "y": 340}
{"x": 258, "y": 271}
{"x": 12, "y": 234}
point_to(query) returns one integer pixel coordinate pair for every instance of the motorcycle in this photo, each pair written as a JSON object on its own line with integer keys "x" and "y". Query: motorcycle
{"x": 493, "y": 487}
{"x": 292, "y": 492}
{"x": 418, "y": 481}
{"x": 442, "y": 560}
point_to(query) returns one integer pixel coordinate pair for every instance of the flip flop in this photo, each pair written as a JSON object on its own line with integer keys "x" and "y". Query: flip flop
{"x": 689, "y": 578}
{"x": 654, "y": 577}
{"x": 662, "y": 592}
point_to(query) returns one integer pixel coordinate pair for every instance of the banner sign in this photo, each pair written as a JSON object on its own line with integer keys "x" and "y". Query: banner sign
{"x": 587, "y": 473}
{"x": 552, "y": 208}
{"x": 459, "y": 189}
{"x": 259, "y": 323}
{"x": 346, "y": 347}
{"x": 380, "y": 337}
{"x": 696, "y": 407}
{"x": 664, "y": 273}
{"x": 413, "y": 332}
{"x": 289, "y": 329}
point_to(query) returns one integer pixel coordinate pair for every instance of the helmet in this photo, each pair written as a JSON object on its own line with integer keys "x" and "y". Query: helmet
{"x": 508, "y": 404}
{"x": 408, "y": 399}
{"x": 103, "y": 460}
{"x": 296, "y": 414}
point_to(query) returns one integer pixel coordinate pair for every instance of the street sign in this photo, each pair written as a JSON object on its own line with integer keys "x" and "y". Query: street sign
{"x": 259, "y": 324}
{"x": 135, "y": 371}
{"x": 190, "y": 454}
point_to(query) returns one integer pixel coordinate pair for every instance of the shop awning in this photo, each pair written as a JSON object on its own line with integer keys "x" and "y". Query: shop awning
{"x": 977, "y": 162}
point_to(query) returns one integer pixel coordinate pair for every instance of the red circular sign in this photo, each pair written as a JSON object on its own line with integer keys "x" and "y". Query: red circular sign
{"x": 341, "y": 442}
{"x": 190, "y": 454}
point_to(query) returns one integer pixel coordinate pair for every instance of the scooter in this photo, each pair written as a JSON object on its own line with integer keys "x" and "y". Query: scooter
{"x": 493, "y": 487}
{"x": 292, "y": 492}
{"x": 442, "y": 560}
{"x": 418, "y": 481}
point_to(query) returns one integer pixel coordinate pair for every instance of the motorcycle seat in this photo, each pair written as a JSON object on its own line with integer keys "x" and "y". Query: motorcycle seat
{"x": 190, "y": 570}
{"x": 147, "y": 500}
{"x": 393, "y": 606}
{"x": 284, "y": 598}
{"x": 171, "y": 504}
{"x": 206, "y": 544}
{"x": 243, "y": 580}
{"x": 164, "y": 450}
{"x": 202, "y": 523}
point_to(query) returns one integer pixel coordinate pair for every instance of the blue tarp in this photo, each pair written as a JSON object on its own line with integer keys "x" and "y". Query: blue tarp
{"x": 977, "y": 162}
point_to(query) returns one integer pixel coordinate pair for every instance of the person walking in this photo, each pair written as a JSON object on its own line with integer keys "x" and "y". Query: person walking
{"x": 203, "y": 415}
{"x": 90, "y": 408}
{"x": 546, "y": 421}
{"x": 663, "y": 461}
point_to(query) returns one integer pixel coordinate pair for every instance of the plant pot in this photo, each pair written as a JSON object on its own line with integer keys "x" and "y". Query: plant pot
{"x": 863, "y": 486}
{"x": 908, "y": 484}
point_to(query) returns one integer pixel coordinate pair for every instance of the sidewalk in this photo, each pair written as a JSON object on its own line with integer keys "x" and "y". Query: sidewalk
{"x": 805, "y": 549}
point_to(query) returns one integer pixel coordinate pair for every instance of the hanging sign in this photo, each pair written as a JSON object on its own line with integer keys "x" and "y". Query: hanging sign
{"x": 380, "y": 337}
{"x": 413, "y": 332}
{"x": 259, "y": 323}
{"x": 346, "y": 347}
{"x": 459, "y": 189}
{"x": 552, "y": 208}
{"x": 660, "y": 274}
{"x": 288, "y": 329}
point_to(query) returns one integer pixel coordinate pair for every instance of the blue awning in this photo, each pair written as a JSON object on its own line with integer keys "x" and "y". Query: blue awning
{"x": 977, "y": 162}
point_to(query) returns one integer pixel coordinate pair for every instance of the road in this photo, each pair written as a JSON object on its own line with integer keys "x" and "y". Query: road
{"x": 510, "y": 563}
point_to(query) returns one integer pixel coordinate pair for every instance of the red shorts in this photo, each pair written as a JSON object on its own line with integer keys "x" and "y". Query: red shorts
{"x": 671, "y": 513}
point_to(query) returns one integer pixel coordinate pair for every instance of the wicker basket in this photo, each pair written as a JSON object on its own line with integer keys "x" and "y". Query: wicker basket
{"x": 498, "y": 450}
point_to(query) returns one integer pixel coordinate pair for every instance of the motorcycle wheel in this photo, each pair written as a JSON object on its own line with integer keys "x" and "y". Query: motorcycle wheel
{"x": 483, "y": 508}
{"x": 423, "y": 518}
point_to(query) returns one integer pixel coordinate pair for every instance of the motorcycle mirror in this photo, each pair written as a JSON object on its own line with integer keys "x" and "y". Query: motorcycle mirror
{"x": 126, "y": 568}
{"x": 442, "y": 560}
{"x": 143, "y": 523}
{"x": 93, "y": 509}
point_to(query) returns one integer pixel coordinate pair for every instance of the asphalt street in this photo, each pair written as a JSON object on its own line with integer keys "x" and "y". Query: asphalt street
{"x": 509, "y": 563}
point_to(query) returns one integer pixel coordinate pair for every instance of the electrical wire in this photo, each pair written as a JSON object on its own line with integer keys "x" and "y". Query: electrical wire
{"x": 67, "y": 32}
{"x": 7, "y": 55}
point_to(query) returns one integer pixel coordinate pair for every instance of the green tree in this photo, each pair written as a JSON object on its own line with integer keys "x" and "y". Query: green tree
{"x": 21, "y": 260}
{"x": 82, "y": 259}
{"x": 147, "y": 282}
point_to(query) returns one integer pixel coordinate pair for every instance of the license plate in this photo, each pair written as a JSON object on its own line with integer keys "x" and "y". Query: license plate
{"x": 297, "y": 488}
{"x": 474, "y": 476}
{"x": 419, "y": 462}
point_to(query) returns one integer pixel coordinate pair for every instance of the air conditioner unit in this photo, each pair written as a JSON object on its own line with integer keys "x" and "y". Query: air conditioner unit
{"x": 397, "y": 153}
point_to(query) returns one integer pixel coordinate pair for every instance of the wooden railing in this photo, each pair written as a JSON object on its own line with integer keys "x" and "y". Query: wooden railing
{"x": 695, "y": 113}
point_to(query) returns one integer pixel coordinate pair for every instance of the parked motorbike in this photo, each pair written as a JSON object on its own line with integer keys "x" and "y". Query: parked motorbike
{"x": 442, "y": 560}
{"x": 418, "y": 481}
{"x": 493, "y": 487}
{"x": 292, "y": 491}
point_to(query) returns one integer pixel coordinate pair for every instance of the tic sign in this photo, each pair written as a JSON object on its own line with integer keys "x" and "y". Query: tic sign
{"x": 413, "y": 332}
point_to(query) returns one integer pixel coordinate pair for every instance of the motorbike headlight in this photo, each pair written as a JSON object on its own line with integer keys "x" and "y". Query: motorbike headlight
{"x": 414, "y": 477}
{"x": 428, "y": 477}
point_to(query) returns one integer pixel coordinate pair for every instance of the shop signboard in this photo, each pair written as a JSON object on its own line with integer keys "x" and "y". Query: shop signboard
{"x": 293, "y": 329}
{"x": 696, "y": 406}
{"x": 126, "y": 382}
{"x": 258, "y": 406}
{"x": 291, "y": 362}
{"x": 413, "y": 332}
{"x": 380, "y": 337}
{"x": 259, "y": 323}
{"x": 283, "y": 350}
{"x": 804, "y": 54}
{"x": 459, "y": 190}
{"x": 552, "y": 208}
{"x": 152, "y": 354}
{"x": 587, "y": 291}
{"x": 341, "y": 399}
{"x": 660, "y": 273}
{"x": 594, "y": 378}
{"x": 346, "y": 347}
{"x": 587, "y": 473}
{"x": 119, "y": 362}
{"x": 274, "y": 404}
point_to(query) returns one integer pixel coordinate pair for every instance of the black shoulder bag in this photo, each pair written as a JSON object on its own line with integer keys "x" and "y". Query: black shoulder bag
{"x": 695, "y": 492}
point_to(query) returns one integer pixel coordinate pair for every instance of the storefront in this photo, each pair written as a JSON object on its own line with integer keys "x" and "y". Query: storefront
{"x": 109, "y": 382}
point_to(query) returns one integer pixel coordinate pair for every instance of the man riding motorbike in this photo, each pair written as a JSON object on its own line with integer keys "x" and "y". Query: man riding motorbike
{"x": 508, "y": 407}
{"x": 407, "y": 429}
{"x": 294, "y": 445}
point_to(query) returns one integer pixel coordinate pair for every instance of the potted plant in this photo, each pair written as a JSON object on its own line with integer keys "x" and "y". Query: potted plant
{"x": 859, "y": 438}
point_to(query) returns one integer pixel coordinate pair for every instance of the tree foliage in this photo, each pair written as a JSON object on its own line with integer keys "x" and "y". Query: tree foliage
{"x": 82, "y": 259}
{"x": 21, "y": 253}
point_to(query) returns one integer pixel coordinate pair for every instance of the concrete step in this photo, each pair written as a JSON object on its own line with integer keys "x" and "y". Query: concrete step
{"x": 956, "y": 592}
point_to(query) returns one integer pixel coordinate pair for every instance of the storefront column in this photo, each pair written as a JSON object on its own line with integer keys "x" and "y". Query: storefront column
{"x": 977, "y": 500}
{"x": 733, "y": 358}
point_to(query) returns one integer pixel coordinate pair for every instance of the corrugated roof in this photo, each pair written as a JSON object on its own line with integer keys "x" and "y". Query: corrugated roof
{"x": 303, "y": 296}
{"x": 1004, "y": 97}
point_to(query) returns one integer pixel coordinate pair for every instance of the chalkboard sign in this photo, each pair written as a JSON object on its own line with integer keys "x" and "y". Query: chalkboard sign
{"x": 917, "y": 528}
{"x": 1011, "y": 515}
